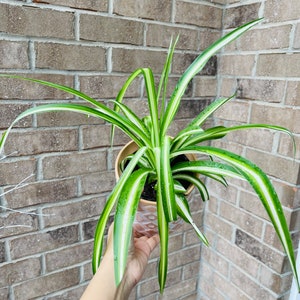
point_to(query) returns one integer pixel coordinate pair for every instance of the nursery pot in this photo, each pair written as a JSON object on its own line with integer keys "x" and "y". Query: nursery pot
{"x": 145, "y": 223}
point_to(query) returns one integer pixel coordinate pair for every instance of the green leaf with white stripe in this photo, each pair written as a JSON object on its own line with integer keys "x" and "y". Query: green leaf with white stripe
{"x": 124, "y": 217}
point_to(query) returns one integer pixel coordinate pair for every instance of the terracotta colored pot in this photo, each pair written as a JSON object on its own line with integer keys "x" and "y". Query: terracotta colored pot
{"x": 145, "y": 223}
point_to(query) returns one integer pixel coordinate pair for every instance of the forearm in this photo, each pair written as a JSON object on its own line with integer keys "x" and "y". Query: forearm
{"x": 102, "y": 285}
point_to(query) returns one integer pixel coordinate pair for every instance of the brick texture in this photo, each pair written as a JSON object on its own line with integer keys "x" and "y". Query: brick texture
{"x": 47, "y": 225}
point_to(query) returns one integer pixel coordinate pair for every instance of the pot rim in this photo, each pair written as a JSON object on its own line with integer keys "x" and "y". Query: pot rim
{"x": 130, "y": 148}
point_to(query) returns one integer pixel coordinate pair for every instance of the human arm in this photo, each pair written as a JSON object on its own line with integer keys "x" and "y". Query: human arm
{"x": 102, "y": 285}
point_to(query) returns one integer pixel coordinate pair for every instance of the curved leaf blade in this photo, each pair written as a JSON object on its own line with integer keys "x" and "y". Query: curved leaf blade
{"x": 125, "y": 214}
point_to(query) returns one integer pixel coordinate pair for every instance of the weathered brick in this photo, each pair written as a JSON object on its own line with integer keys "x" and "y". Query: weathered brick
{"x": 8, "y": 114}
{"x": 185, "y": 256}
{"x": 235, "y": 111}
{"x": 12, "y": 273}
{"x": 286, "y": 147}
{"x": 183, "y": 61}
{"x": 180, "y": 289}
{"x": 198, "y": 14}
{"x": 267, "y": 38}
{"x": 94, "y": 5}
{"x": 13, "y": 172}
{"x": 74, "y": 164}
{"x": 259, "y": 251}
{"x": 249, "y": 285}
{"x": 4, "y": 293}
{"x": 16, "y": 223}
{"x": 2, "y": 252}
{"x": 236, "y": 16}
{"x": 293, "y": 93}
{"x": 42, "y": 141}
{"x": 70, "y": 57}
{"x": 297, "y": 37}
{"x": 89, "y": 229}
{"x": 275, "y": 282}
{"x": 74, "y": 211}
{"x": 14, "y": 55}
{"x": 94, "y": 183}
{"x": 44, "y": 285}
{"x": 74, "y": 293}
{"x": 107, "y": 86}
{"x": 221, "y": 227}
{"x": 111, "y": 30}
{"x": 281, "y": 116}
{"x": 237, "y": 64}
{"x": 274, "y": 12}
{"x": 44, "y": 241}
{"x": 233, "y": 255}
{"x": 25, "y": 90}
{"x": 127, "y": 60}
{"x": 205, "y": 86}
{"x": 160, "y": 36}
{"x": 242, "y": 219}
{"x": 42, "y": 192}
{"x": 148, "y": 9}
{"x": 68, "y": 257}
{"x": 34, "y": 21}
{"x": 266, "y": 90}
{"x": 279, "y": 65}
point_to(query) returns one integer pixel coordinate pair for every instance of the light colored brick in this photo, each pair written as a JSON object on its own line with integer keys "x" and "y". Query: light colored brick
{"x": 34, "y": 243}
{"x": 198, "y": 14}
{"x": 33, "y": 21}
{"x": 243, "y": 220}
{"x": 42, "y": 192}
{"x": 297, "y": 37}
{"x": 42, "y": 141}
{"x": 161, "y": 35}
{"x": 108, "y": 86}
{"x": 149, "y": 9}
{"x": 279, "y": 65}
{"x": 234, "y": 111}
{"x": 13, "y": 172}
{"x": 94, "y": 5}
{"x": 236, "y": 16}
{"x": 127, "y": 60}
{"x": 9, "y": 112}
{"x": 237, "y": 64}
{"x": 274, "y": 12}
{"x": 111, "y": 30}
{"x": 14, "y": 55}
{"x": 12, "y": 273}
{"x": 293, "y": 93}
{"x": 266, "y": 90}
{"x": 205, "y": 86}
{"x": 25, "y": 90}
{"x": 68, "y": 256}
{"x": 94, "y": 183}
{"x": 72, "y": 212}
{"x": 71, "y": 165}
{"x": 70, "y": 57}
{"x": 44, "y": 285}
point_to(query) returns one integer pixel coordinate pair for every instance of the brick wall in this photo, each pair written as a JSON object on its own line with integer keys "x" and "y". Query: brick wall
{"x": 47, "y": 226}
{"x": 246, "y": 260}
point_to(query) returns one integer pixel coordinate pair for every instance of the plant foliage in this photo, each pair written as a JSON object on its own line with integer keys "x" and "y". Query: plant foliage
{"x": 156, "y": 152}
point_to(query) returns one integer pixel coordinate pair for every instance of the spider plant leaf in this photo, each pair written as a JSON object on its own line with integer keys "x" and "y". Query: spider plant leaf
{"x": 131, "y": 116}
{"x": 163, "y": 83}
{"x": 220, "y": 131}
{"x": 207, "y": 168}
{"x": 163, "y": 230}
{"x": 165, "y": 180}
{"x": 197, "y": 182}
{"x": 124, "y": 217}
{"x": 178, "y": 188}
{"x": 184, "y": 212}
{"x": 195, "y": 68}
{"x": 113, "y": 197}
{"x": 266, "y": 193}
{"x": 106, "y": 114}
